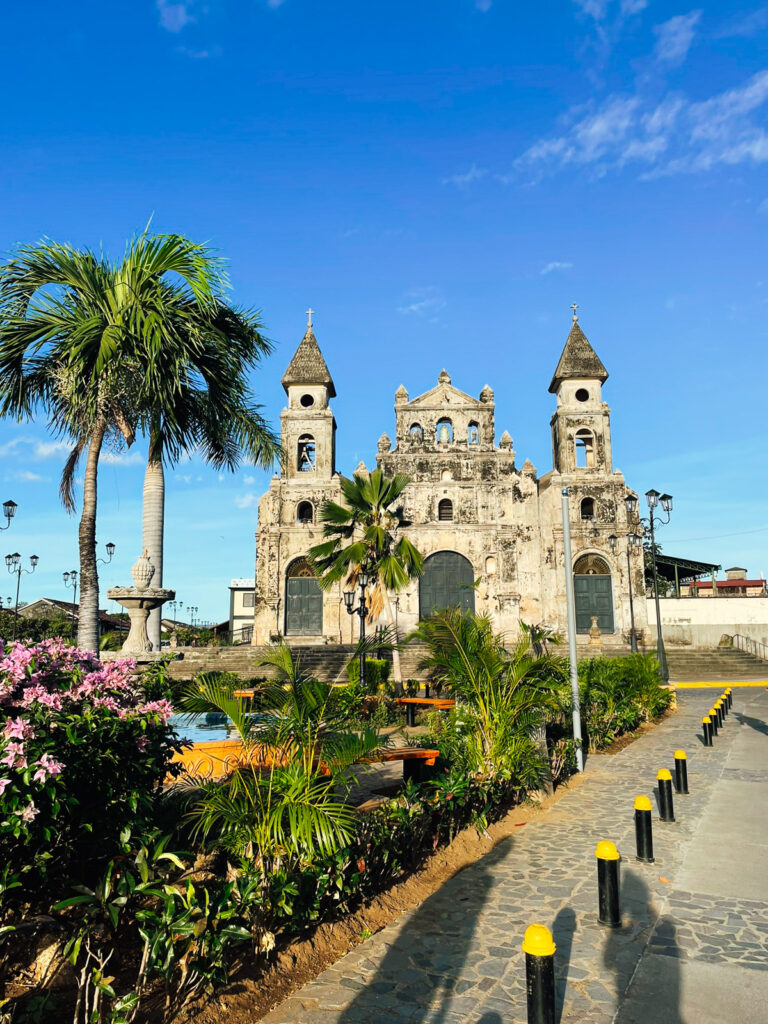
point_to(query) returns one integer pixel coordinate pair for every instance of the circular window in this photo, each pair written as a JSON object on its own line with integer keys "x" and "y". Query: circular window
{"x": 308, "y": 400}
{"x": 581, "y": 395}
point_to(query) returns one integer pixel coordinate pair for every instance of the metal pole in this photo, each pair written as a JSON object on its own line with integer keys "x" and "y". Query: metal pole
{"x": 661, "y": 653}
{"x": 362, "y": 637}
{"x": 632, "y": 635}
{"x": 16, "y": 606}
{"x": 571, "y": 607}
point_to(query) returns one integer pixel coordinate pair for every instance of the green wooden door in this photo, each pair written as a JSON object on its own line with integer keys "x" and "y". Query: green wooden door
{"x": 303, "y": 607}
{"x": 594, "y": 596}
{"x": 447, "y": 582}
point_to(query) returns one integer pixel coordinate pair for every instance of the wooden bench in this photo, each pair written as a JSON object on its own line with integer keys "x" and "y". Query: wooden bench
{"x": 414, "y": 760}
{"x": 438, "y": 703}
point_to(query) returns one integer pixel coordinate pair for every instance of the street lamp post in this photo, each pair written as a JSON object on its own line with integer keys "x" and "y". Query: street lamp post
{"x": 9, "y": 511}
{"x": 193, "y": 610}
{"x": 13, "y": 564}
{"x": 649, "y": 525}
{"x": 70, "y": 580}
{"x": 634, "y": 540}
{"x": 110, "y": 554}
{"x": 361, "y": 610}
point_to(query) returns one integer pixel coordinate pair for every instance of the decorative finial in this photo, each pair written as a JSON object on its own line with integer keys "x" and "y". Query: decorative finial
{"x": 310, "y": 313}
{"x": 574, "y": 307}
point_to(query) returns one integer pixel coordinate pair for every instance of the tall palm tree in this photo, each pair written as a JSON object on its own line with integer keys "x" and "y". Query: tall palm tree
{"x": 366, "y": 533}
{"x": 206, "y": 356}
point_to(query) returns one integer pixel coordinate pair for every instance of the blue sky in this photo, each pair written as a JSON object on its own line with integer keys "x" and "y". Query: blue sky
{"x": 440, "y": 180}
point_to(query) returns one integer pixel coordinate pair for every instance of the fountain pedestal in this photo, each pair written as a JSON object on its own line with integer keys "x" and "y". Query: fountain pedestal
{"x": 139, "y": 600}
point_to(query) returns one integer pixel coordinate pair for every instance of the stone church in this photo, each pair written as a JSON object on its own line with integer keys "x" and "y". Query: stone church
{"x": 491, "y": 532}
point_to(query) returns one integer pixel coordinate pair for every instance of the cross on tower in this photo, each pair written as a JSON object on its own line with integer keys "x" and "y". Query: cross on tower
{"x": 310, "y": 313}
{"x": 574, "y": 307}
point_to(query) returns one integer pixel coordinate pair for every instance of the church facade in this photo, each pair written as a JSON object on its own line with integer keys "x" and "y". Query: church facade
{"x": 491, "y": 532}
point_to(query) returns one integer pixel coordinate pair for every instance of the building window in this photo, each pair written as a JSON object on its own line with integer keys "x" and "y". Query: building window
{"x": 588, "y": 509}
{"x": 416, "y": 433}
{"x": 445, "y": 511}
{"x": 306, "y": 453}
{"x": 249, "y": 600}
{"x": 444, "y": 431}
{"x": 307, "y": 401}
{"x": 582, "y": 395}
{"x": 473, "y": 434}
{"x": 585, "y": 449}
{"x": 305, "y": 513}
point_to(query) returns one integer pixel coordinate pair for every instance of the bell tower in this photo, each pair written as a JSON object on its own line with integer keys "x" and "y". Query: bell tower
{"x": 581, "y": 425}
{"x": 308, "y": 427}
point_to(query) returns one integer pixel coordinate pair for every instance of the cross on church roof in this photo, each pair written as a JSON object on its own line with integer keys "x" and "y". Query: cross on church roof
{"x": 310, "y": 313}
{"x": 574, "y": 307}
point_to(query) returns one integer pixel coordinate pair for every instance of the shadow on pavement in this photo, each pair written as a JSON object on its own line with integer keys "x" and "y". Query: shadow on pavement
{"x": 563, "y": 928}
{"x": 421, "y": 969}
{"x": 754, "y": 723}
{"x": 642, "y": 934}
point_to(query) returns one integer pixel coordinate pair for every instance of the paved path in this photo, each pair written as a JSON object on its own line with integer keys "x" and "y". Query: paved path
{"x": 693, "y": 946}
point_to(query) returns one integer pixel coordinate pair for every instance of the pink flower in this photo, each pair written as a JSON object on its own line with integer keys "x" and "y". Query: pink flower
{"x": 4, "y": 783}
{"x": 14, "y": 729}
{"x": 142, "y": 743}
{"x": 162, "y": 708}
{"x": 29, "y": 813}
{"x": 47, "y": 767}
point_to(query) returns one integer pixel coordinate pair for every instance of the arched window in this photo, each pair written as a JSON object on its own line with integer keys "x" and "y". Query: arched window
{"x": 444, "y": 431}
{"x": 305, "y": 458}
{"x": 305, "y": 513}
{"x": 448, "y": 582}
{"x": 445, "y": 510}
{"x": 591, "y": 565}
{"x": 416, "y": 433}
{"x": 473, "y": 433}
{"x": 303, "y": 600}
{"x": 588, "y": 508}
{"x": 593, "y": 594}
{"x": 585, "y": 449}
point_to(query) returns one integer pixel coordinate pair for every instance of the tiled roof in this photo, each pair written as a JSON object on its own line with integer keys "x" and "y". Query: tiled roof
{"x": 308, "y": 365}
{"x": 578, "y": 359}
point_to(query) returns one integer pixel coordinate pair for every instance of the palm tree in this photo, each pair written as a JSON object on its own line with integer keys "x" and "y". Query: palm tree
{"x": 366, "y": 534}
{"x": 208, "y": 407}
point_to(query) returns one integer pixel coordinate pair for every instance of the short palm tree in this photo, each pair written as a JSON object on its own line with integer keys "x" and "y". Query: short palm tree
{"x": 367, "y": 533}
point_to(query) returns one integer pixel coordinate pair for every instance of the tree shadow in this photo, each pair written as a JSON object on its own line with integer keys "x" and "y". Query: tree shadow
{"x": 421, "y": 970}
{"x": 754, "y": 723}
{"x": 643, "y": 958}
{"x": 563, "y": 929}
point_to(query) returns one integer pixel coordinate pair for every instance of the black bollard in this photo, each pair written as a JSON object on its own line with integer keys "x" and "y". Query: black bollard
{"x": 719, "y": 710}
{"x": 410, "y": 715}
{"x": 713, "y": 717}
{"x": 681, "y": 772}
{"x": 643, "y": 829}
{"x": 724, "y": 703}
{"x": 609, "y": 913}
{"x": 426, "y": 691}
{"x": 706, "y": 728}
{"x": 666, "y": 805}
{"x": 729, "y": 694}
{"x": 539, "y": 952}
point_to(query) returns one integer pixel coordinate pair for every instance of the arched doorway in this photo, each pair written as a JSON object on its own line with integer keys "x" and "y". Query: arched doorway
{"x": 593, "y": 593}
{"x": 447, "y": 582}
{"x": 303, "y": 601}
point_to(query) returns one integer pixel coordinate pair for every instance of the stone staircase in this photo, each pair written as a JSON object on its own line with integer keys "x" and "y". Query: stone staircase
{"x": 326, "y": 662}
{"x": 718, "y": 665}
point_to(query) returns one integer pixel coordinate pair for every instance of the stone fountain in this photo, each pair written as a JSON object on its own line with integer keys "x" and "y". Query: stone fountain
{"x": 139, "y": 600}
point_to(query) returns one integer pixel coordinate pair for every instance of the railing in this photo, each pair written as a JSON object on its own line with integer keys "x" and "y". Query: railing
{"x": 754, "y": 647}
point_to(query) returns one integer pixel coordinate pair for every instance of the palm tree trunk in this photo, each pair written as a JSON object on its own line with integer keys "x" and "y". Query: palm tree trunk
{"x": 153, "y": 521}
{"x": 397, "y": 674}
{"x": 88, "y": 618}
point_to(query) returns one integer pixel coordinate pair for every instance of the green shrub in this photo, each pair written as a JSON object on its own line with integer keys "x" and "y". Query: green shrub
{"x": 617, "y": 695}
{"x": 377, "y": 672}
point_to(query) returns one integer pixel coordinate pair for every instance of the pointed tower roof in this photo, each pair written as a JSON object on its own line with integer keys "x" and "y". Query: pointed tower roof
{"x": 308, "y": 365}
{"x": 578, "y": 359}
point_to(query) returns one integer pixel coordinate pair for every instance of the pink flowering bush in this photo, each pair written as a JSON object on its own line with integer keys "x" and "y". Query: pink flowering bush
{"x": 83, "y": 755}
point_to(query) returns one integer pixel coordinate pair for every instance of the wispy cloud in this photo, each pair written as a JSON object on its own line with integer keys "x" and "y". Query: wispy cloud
{"x": 673, "y": 136}
{"x": 426, "y": 302}
{"x": 51, "y": 449}
{"x": 555, "y": 265}
{"x": 174, "y": 16}
{"x": 211, "y": 54}
{"x": 674, "y": 37}
{"x": 29, "y": 477}
{"x": 745, "y": 25}
{"x": 483, "y": 5}
{"x": 474, "y": 173}
{"x": 133, "y": 458}
{"x": 248, "y": 480}
{"x": 246, "y": 500}
{"x": 763, "y": 207}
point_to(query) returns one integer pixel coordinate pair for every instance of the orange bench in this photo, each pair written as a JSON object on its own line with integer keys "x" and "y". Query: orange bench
{"x": 438, "y": 703}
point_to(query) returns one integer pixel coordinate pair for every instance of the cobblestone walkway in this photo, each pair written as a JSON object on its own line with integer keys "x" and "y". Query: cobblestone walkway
{"x": 456, "y": 959}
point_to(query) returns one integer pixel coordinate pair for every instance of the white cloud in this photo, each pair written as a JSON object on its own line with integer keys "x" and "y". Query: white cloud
{"x": 275, "y": 3}
{"x": 745, "y": 25}
{"x": 596, "y": 9}
{"x": 248, "y": 480}
{"x": 474, "y": 173}
{"x": 426, "y": 302}
{"x": 133, "y": 458}
{"x": 29, "y": 477}
{"x": 763, "y": 208}
{"x": 174, "y": 17}
{"x": 672, "y": 136}
{"x": 51, "y": 449}
{"x": 630, "y": 7}
{"x": 674, "y": 37}
{"x": 555, "y": 265}
{"x": 483, "y": 5}
{"x": 246, "y": 500}
{"x": 11, "y": 447}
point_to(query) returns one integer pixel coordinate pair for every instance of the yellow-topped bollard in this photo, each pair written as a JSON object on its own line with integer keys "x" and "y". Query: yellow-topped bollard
{"x": 666, "y": 805}
{"x": 713, "y": 716}
{"x": 608, "y": 857}
{"x": 539, "y": 949}
{"x": 706, "y": 728}
{"x": 729, "y": 695}
{"x": 681, "y": 772}
{"x": 643, "y": 829}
